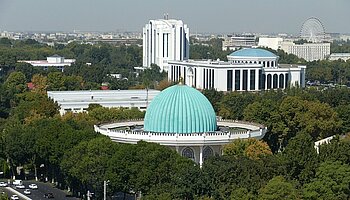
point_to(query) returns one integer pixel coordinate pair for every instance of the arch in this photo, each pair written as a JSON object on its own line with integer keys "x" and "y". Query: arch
{"x": 207, "y": 152}
{"x": 188, "y": 153}
{"x": 269, "y": 81}
{"x": 281, "y": 82}
{"x": 275, "y": 81}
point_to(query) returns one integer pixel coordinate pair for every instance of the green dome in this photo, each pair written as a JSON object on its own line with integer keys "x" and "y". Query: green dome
{"x": 180, "y": 109}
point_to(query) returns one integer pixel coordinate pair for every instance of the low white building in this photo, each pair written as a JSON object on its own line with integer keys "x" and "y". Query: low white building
{"x": 246, "y": 70}
{"x": 308, "y": 51}
{"x": 337, "y": 56}
{"x": 56, "y": 61}
{"x": 79, "y": 101}
{"x": 272, "y": 43}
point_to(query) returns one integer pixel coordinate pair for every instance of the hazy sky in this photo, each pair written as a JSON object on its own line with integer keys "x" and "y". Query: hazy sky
{"x": 215, "y": 16}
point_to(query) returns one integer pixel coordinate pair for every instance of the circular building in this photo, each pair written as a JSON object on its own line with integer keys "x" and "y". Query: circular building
{"x": 182, "y": 118}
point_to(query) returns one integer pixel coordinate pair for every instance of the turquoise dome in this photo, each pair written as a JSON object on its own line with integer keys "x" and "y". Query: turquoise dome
{"x": 253, "y": 52}
{"x": 180, "y": 109}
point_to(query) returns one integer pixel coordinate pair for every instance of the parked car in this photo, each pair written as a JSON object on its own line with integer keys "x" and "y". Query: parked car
{"x": 3, "y": 184}
{"x": 14, "y": 197}
{"x": 17, "y": 182}
{"x": 48, "y": 195}
{"x": 33, "y": 186}
{"x": 27, "y": 191}
{"x": 20, "y": 186}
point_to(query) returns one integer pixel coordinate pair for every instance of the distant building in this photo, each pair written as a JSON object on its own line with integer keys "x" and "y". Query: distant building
{"x": 56, "y": 61}
{"x": 272, "y": 43}
{"x": 234, "y": 42}
{"x": 249, "y": 69}
{"x": 308, "y": 51}
{"x": 337, "y": 56}
{"x": 164, "y": 40}
{"x": 79, "y": 101}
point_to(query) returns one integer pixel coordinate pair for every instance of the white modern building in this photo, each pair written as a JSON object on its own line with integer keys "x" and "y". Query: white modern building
{"x": 79, "y": 101}
{"x": 56, "y": 61}
{"x": 234, "y": 42}
{"x": 183, "y": 119}
{"x": 272, "y": 43}
{"x": 341, "y": 56}
{"x": 308, "y": 51}
{"x": 164, "y": 40}
{"x": 250, "y": 69}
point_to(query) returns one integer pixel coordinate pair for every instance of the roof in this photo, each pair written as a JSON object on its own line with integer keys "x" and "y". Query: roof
{"x": 253, "y": 52}
{"x": 180, "y": 109}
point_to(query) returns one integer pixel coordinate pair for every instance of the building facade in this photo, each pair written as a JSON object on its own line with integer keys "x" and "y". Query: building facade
{"x": 246, "y": 70}
{"x": 164, "y": 40}
{"x": 79, "y": 101}
{"x": 308, "y": 51}
{"x": 341, "y": 56}
{"x": 55, "y": 61}
{"x": 272, "y": 43}
{"x": 234, "y": 42}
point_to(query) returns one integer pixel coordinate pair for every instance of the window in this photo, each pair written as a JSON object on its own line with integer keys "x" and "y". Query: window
{"x": 252, "y": 79}
{"x": 245, "y": 79}
{"x": 275, "y": 80}
{"x": 207, "y": 152}
{"x": 229, "y": 80}
{"x": 188, "y": 153}
{"x": 237, "y": 79}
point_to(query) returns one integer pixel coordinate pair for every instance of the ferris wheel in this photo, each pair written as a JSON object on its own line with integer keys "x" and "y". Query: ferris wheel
{"x": 312, "y": 30}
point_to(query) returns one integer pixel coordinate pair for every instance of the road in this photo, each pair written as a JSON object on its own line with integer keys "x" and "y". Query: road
{"x": 43, "y": 188}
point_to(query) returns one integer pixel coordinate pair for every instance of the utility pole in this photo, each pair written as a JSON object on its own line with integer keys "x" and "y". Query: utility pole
{"x": 105, "y": 183}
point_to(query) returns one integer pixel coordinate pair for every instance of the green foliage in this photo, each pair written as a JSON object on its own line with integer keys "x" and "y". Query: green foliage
{"x": 277, "y": 189}
{"x": 331, "y": 182}
{"x": 300, "y": 158}
{"x": 251, "y": 148}
{"x": 16, "y": 82}
{"x": 233, "y": 104}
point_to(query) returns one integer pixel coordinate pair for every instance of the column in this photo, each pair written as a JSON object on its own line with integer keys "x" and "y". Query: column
{"x": 257, "y": 79}
{"x": 248, "y": 80}
{"x": 266, "y": 81}
{"x": 278, "y": 80}
{"x": 200, "y": 156}
{"x": 241, "y": 81}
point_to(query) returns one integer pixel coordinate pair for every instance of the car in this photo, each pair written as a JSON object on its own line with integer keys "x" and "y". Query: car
{"x": 48, "y": 195}
{"x": 17, "y": 182}
{"x": 20, "y": 186}
{"x": 27, "y": 191}
{"x": 33, "y": 186}
{"x": 3, "y": 184}
{"x": 14, "y": 197}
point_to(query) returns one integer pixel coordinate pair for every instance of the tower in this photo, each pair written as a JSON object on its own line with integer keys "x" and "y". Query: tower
{"x": 164, "y": 40}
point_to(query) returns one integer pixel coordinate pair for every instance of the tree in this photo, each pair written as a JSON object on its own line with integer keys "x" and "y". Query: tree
{"x": 331, "y": 182}
{"x": 233, "y": 104}
{"x": 16, "y": 82}
{"x": 278, "y": 188}
{"x": 40, "y": 83}
{"x": 300, "y": 158}
{"x": 55, "y": 81}
{"x": 252, "y": 148}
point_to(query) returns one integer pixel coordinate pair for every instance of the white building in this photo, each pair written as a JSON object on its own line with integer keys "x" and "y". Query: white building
{"x": 337, "y": 56}
{"x": 247, "y": 70}
{"x": 308, "y": 51}
{"x": 272, "y": 43}
{"x": 234, "y": 42}
{"x": 78, "y": 101}
{"x": 56, "y": 61}
{"x": 164, "y": 40}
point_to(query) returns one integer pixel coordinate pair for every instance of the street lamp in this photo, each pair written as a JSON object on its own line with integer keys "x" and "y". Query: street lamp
{"x": 105, "y": 183}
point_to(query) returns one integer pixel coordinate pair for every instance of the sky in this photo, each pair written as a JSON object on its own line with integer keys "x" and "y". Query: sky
{"x": 202, "y": 16}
